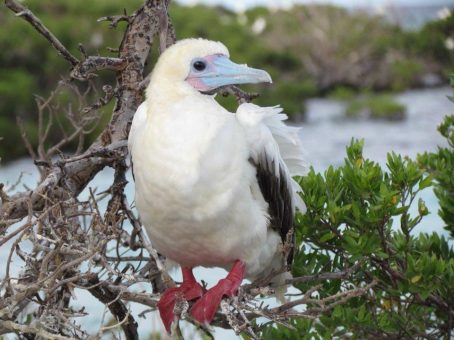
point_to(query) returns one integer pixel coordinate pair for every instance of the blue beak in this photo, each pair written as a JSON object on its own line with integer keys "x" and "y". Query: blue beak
{"x": 221, "y": 71}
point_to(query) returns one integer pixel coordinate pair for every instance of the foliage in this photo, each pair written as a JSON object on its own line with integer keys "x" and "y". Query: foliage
{"x": 362, "y": 213}
{"x": 431, "y": 40}
{"x": 333, "y": 49}
{"x": 440, "y": 165}
{"x": 380, "y": 106}
{"x": 405, "y": 73}
{"x": 342, "y": 93}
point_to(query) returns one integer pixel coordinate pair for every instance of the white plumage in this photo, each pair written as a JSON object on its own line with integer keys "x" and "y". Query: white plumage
{"x": 195, "y": 169}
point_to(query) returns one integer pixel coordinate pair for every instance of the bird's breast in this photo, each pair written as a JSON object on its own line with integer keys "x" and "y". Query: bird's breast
{"x": 191, "y": 178}
{"x": 187, "y": 162}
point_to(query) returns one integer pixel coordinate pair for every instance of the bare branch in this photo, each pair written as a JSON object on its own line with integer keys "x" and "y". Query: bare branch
{"x": 240, "y": 95}
{"x": 87, "y": 68}
{"x": 115, "y": 19}
{"x": 27, "y": 15}
{"x": 10, "y": 326}
{"x": 25, "y": 139}
{"x": 323, "y": 276}
{"x": 116, "y": 307}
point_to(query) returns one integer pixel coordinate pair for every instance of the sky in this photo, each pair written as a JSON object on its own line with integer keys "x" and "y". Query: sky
{"x": 242, "y": 4}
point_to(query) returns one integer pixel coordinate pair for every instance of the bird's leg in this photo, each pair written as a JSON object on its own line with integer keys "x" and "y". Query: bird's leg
{"x": 189, "y": 290}
{"x": 205, "y": 308}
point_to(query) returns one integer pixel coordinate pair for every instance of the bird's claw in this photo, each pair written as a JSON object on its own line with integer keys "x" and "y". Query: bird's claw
{"x": 204, "y": 309}
{"x": 166, "y": 305}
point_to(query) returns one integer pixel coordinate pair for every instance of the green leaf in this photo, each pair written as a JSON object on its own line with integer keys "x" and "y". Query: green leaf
{"x": 416, "y": 278}
{"x": 327, "y": 237}
{"x": 425, "y": 183}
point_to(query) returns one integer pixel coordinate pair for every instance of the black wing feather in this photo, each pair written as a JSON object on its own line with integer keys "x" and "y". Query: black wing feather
{"x": 275, "y": 191}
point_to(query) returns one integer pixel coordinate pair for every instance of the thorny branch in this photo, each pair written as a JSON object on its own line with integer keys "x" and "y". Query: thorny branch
{"x": 64, "y": 241}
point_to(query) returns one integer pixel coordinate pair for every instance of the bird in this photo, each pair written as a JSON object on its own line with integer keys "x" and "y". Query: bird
{"x": 213, "y": 188}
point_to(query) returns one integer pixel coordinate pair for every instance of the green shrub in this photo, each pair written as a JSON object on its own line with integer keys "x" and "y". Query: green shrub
{"x": 342, "y": 93}
{"x": 364, "y": 214}
{"x": 382, "y": 107}
{"x": 405, "y": 73}
{"x": 440, "y": 165}
{"x": 430, "y": 41}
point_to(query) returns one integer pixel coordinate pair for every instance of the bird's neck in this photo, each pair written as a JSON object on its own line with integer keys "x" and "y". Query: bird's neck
{"x": 165, "y": 98}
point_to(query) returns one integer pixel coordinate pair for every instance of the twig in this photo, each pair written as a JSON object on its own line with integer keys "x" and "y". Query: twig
{"x": 240, "y": 95}
{"x": 115, "y": 19}
{"x": 116, "y": 307}
{"x": 27, "y": 15}
{"x": 32, "y": 329}
{"x": 325, "y": 275}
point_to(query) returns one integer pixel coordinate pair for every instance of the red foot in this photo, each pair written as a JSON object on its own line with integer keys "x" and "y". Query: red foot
{"x": 204, "y": 309}
{"x": 190, "y": 289}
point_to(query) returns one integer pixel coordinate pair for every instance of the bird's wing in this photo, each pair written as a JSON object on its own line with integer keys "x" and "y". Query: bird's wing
{"x": 137, "y": 123}
{"x": 276, "y": 152}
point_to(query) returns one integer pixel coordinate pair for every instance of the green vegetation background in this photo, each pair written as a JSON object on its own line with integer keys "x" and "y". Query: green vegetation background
{"x": 309, "y": 51}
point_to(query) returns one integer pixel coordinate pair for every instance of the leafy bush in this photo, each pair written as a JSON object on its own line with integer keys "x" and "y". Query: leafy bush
{"x": 342, "y": 93}
{"x": 364, "y": 215}
{"x": 431, "y": 40}
{"x": 375, "y": 107}
{"x": 360, "y": 214}
{"x": 440, "y": 165}
{"x": 405, "y": 73}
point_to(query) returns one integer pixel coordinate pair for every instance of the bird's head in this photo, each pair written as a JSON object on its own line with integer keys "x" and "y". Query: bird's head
{"x": 202, "y": 66}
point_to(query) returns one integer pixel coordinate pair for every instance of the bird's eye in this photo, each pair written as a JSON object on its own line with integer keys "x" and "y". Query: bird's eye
{"x": 199, "y": 65}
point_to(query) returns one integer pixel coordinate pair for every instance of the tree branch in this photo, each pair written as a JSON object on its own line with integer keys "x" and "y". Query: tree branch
{"x": 87, "y": 68}
{"x": 39, "y": 331}
{"x": 116, "y": 307}
{"x": 26, "y": 14}
{"x": 240, "y": 95}
{"x": 135, "y": 46}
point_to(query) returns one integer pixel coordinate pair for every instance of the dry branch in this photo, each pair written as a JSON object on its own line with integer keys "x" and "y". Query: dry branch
{"x": 116, "y": 307}
{"x": 9, "y": 326}
{"x": 26, "y": 14}
{"x": 61, "y": 242}
{"x": 140, "y": 33}
{"x": 88, "y": 68}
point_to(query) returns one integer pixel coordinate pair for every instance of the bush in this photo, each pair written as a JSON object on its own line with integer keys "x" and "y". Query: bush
{"x": 364, "y": 215}
{"x": 382, "y": 107}
{"x": 405, "y": 73}
{"x": 342, "y": 93}
{"x": 430, "y": 41}
{"x": 360, "y": 214}
{"x": 440, "y": 165}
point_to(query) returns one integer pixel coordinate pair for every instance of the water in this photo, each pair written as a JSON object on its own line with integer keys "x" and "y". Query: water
{"x": 324, "y": 136}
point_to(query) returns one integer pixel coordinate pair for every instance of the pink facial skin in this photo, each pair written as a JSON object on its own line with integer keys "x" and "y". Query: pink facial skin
{"x": 196, "y": 78}
{"x": 217, "y": 70}
{"x": 198, "y": 84}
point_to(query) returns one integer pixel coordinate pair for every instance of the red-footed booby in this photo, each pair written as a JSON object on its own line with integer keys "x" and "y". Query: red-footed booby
{"x": 213, "y": 188}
